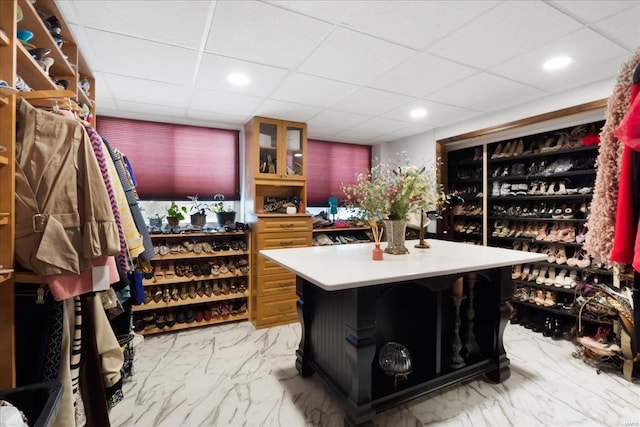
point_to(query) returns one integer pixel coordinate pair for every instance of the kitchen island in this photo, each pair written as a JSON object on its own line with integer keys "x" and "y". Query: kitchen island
{"x": 446, "y": 306}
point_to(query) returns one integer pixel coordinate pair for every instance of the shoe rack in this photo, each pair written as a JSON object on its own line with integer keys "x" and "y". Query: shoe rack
{"x": 196, "y": 279}
{"x": 464, "y": 218}
{"x": 339, "y": 232}
{"x": 539, "y": 194}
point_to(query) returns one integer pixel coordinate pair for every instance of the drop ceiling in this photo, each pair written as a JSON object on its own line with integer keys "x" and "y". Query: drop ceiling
{"x": 351, "y": 69}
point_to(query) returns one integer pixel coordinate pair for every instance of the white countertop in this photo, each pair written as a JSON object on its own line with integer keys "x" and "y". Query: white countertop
{"x": 350, "y": 266}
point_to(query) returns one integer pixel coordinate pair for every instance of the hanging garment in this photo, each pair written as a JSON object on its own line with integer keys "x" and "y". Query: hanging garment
{"x": 54, "y": 161}
{"x": 132, "y": 199}
{"x": 601, "y": 220}
{"x": 96, "y": 145}
{"x": 626, "y": 245}
{"x": 132, "y": 236}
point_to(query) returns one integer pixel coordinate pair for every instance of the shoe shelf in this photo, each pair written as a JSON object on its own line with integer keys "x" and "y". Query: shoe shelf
{"x": 535, "y": 218}
{"x": 533, "y": 284}
{"x": 561, "y": 197}
{"x": 531, "y": 241}
{"x": 537, "y": 177}
{"x": 153, "y": 305}
{"x": 4, "y": 160}
{"x": 200, "y": 273}
{"x": 216, "y": 320}
{"x": 4, "y": 40}
{"x": 563, "y": 312}
{"x": 573, "y": 151}
{"x": 463, "y": 222}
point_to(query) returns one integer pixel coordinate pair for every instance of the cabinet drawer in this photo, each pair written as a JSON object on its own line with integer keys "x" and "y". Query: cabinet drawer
{"x": 284, "y": 240}
{"x": 266, "y": 266}
{"x": 280, "y": 224}
{"x": 276, "y": 310}
{"x": 277, "y": 284}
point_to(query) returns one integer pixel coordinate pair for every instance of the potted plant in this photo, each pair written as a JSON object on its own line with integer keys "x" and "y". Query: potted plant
{"x": 175, "y": 214}
{"x": 198, "y": 211}
{"x": 224, "y": 213}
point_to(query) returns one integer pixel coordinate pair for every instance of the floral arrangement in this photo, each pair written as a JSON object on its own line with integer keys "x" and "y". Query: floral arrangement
{"x": 393, "y": 190}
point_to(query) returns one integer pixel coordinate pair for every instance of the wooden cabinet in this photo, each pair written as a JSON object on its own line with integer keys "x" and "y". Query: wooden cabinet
{"x": 274, "y": 299}
{"x": 277, "y": 149}
{"x": 196, "y": 280}
{"x": 276, "y": 179}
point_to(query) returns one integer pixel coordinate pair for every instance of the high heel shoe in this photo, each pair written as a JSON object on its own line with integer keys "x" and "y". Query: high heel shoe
{"x": 533, "y": 276}
{"x": 551, "y": 277}
{"x": 517, "y": 271}
{"x": 542, "y": 275}
{"x": 525, "y": 272}
{"x": 497, "y": 152}
{"x": 559, "y": 280}
{"x": 561, "y": 255}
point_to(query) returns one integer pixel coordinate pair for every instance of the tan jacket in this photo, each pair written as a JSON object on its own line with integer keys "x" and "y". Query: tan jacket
{"x": 63, "y": 213}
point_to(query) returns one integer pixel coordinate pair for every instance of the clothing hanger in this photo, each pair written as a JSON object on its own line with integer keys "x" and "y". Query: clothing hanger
{"x": 636, "y": 75}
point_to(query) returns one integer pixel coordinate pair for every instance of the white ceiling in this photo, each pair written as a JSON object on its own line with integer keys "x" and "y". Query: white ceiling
{"x": 350, "y": 69}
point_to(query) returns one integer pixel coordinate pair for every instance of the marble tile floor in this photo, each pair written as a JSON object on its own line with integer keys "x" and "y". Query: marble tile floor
{"x": 234, "y": 375}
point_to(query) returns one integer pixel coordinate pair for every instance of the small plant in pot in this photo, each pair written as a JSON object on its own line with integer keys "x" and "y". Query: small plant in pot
{"x": 198, "y": 211}
{"x": 175, "y": 214}
{"x": 224, "y": 214}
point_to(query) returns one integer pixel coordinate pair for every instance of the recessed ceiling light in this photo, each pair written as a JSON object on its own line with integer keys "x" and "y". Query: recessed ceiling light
{"x": 238, "y": 79}
{"x": 559, "y": 62}
{"x": 416, "y": 113}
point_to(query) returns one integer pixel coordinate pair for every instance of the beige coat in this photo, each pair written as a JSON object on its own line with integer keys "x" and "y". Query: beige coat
{"x": 63, "y": 213}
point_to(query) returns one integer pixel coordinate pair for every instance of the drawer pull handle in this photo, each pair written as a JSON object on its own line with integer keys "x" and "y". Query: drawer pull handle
{"x": 284, "y": 308}
{"x": 287, "y": 243}
{"x": 286, "y": 225}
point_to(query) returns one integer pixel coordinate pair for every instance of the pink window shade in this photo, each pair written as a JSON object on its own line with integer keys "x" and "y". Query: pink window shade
{"x": 173, "y": 161}
{"x": 329, "y": 165}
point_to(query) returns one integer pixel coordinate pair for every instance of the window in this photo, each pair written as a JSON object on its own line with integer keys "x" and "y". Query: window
{"x": 173, "y": 161}
{"x": 329, "y": 165}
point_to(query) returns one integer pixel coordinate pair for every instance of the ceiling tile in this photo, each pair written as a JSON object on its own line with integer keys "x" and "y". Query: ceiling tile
{"x": 263, "y": 33}
{"x": 312, "y": 90}
{"x": 379, "y": 126}
{"x": 143, "y": 59}
{"x": 624, "y": 27}
{"x": 421, "y": 75}
{"x": 512, "y": 28}
{"x": 593, "y": 10}
{"x": 147, "y": 91}
{"x": 150, "y": 110}
{"x": 437, "y": 114}
{"x": 287, "y": 111}
{"x": 175, "y": 22}
{"x": 353, "y": 57}
{"x": 414, "y": 24}
{"x": 586, "y": 47}
{"x": 232, "y": 120}
{"x": 214, "y": 69}
{"x": 224, "y": 103}
{"x": 371, "y": 101}
{"x": 338, "y": 120}
{"x": 483, "y": 92}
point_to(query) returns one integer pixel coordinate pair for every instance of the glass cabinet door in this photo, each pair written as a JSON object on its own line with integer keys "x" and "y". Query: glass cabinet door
{"x": 268, "y": 149}
{"x": 295, "y": 150}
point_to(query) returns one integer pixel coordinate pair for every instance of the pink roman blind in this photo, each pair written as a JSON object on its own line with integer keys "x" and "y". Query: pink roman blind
{"x": 171, "y": 161}
{"x": 329, "y": 165}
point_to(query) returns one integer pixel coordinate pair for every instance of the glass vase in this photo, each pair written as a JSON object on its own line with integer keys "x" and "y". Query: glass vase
{"x": 395, "y": 230}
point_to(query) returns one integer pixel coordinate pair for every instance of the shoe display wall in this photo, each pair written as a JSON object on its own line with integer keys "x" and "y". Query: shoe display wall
{"x": 463, "y": 221}
{"x": 541, "y": 190}
{"x": 196, "y": 279}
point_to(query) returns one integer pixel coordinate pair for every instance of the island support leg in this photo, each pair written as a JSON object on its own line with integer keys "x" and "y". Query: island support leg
{"x": 360, "y": 348}
{"x": 501, "y": 278}
{"x": 304, "y": 315}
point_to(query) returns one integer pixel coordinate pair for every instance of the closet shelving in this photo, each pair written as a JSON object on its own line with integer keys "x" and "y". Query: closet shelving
{"x": 212, "y": 279}
{"x": 15, "y": 60}
{"x": 465, "y": 180}
{"x": 7, "y": 191}
{"x": 343, "y": 235}
{"x": 539, "y": 192}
